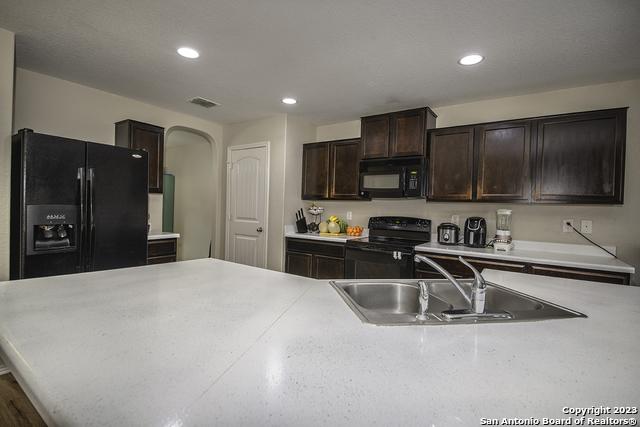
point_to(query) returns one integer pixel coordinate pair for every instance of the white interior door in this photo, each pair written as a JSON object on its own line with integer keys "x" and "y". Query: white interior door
{"x": 247, "y": 204}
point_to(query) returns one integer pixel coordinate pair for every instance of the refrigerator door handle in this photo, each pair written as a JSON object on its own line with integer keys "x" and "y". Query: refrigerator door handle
{"x": 82, "y": 194}
{"x": 91, "y": 225}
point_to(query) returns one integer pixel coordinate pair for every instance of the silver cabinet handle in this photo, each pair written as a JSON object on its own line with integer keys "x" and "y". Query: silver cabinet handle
{"x": 259, "y": 229}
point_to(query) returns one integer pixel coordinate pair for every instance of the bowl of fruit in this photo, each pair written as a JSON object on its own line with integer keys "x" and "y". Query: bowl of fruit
{"x": 334, "y": 225}
{"x": 354, "y": 231}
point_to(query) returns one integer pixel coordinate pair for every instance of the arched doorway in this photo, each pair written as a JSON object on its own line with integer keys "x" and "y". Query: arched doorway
{"x": 189, "y": 162}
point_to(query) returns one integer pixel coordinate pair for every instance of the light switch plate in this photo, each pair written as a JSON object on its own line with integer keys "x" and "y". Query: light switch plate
{"x": 586, "y": 226}
{"x": 565, "y": 227}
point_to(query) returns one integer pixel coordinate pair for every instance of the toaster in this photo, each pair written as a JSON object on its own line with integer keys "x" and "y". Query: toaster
{"x": 448, "y": 233}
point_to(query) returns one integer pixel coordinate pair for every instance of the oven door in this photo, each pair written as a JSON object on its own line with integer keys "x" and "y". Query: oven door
{"x": 386, "y": 184}
{"x": 367, "y": 262}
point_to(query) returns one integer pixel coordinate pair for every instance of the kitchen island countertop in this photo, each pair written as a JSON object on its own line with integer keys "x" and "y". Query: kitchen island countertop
{"x": 208, "y": 342}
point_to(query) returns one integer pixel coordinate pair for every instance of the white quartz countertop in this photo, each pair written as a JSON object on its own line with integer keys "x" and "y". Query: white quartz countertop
{"x": 566, "y": 255}
{"x": 290, "y": 232}
{"x": 158, "y": 235}
{"x": 209, "y": 342}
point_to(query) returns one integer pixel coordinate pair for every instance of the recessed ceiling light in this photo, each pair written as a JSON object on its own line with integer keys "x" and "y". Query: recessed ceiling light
{"x": 472, "y": 59}
{"x": 289, "y": 101}
{"x": 188, "y": 52}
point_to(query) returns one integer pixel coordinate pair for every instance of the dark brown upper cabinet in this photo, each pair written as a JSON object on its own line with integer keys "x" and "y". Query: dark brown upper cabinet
{"x": 503, "y": 160}
{"x": 315, "y": 171}
{"x": 375, "y": 132}
{"x": 450, "y": 164}
{"x": 330, "y": 170}
{"x": 345, "y": 159}
{"x": 398, "y": 134}
{"x": 150, "y": 138}
{"x": 567, "y": 158}
{"x": 580, "y": 157}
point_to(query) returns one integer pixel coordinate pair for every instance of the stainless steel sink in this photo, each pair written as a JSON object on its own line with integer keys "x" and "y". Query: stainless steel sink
{"x": 384, "y": 302}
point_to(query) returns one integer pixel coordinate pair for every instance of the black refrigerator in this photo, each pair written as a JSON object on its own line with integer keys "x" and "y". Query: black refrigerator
{"x": 75, "y": 206}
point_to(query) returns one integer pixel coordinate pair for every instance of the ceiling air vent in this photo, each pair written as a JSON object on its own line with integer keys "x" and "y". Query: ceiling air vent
{"x": 203, "y": 102}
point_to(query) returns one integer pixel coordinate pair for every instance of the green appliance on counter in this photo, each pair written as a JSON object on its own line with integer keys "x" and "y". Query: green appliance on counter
{"x": 168, "y": 197}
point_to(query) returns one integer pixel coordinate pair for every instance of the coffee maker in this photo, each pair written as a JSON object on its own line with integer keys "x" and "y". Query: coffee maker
{"x": 475, "y": 232}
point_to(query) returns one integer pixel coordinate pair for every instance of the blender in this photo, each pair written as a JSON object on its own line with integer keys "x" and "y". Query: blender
{"x": 502, "y": 242}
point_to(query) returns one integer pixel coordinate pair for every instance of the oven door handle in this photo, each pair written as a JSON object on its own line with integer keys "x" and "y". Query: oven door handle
{"x": 380, "y": 251}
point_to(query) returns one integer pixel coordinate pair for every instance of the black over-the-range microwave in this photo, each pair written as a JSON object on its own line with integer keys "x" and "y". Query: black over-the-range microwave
{"x": 393, "y": 178}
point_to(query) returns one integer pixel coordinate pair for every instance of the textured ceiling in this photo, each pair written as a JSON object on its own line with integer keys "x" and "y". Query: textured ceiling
{"x": 340, "y": 58}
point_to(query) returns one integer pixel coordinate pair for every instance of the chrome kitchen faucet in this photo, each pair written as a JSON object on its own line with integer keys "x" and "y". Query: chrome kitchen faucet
{"x": 478, "y": 289}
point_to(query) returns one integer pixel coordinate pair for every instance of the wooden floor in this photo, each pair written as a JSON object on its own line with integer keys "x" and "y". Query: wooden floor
{"x": 15, "y": 408}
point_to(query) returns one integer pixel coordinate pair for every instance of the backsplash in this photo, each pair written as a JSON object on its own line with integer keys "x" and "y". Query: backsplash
{"x": 536, "y": 223}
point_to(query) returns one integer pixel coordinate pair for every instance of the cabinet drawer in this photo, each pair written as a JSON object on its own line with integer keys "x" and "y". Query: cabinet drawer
{"x": 577, "y": 274}
{"x": 164, "y": 247}
{"x": 161, "y": 259}
{"x": 459, "y": 270}
{"x": 316, "y": 247}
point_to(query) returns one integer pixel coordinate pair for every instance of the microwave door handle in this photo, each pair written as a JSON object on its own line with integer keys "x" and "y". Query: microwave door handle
{"x": 403, "y": 181}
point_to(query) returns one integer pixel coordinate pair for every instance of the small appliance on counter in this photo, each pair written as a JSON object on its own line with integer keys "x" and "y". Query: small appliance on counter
{"x": 448, "y": 233}
{"x": 316, "y": 212}
{"x": 502, "y": 242}
{"x": 475, "y": 232}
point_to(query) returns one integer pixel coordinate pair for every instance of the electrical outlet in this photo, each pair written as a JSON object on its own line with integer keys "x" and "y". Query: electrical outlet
{"x": 349, "y": 216}
{"x": 586, "y": 226}
{"x": 455, "y": 219}
{"x": 565, "y": 227}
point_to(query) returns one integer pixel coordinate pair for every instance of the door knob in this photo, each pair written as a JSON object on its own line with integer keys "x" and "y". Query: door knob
{"x": 259, "y": 229}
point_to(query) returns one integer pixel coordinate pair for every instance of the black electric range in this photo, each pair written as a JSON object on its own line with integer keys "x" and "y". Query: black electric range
{"x": 388, "y": 251}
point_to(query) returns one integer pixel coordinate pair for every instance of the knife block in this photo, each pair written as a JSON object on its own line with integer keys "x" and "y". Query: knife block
{"x": 301, "y": 225}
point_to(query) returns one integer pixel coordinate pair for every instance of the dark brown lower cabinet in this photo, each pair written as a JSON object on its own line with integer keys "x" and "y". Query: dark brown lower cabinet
{"x": 162, "y": 251}
{"x": 299, "y": 264}
{"x": 315, "y": 259}
{"x": 458, "y": 270}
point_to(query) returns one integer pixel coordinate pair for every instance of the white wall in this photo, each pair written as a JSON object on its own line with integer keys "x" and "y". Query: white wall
{"x": 272, "y": 129}
{"x": 612, "y": 225}
{"x": 59, "y": 107}
{"x": 299, "y": 132}
{"x": 187, "y": 156}
{"x": 6, "y": 119}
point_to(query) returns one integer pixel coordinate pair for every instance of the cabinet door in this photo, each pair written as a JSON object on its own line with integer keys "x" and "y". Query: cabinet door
{"x": 345, "y": 158}
{"x": 327, "y": 268}
{"x": 375, "y": 136}
{"x": 451, "y": 164}
{"x": 299, "y": 264}
{"x": 315, "y": 171}
{"x": 407, "y": 133}
{"x": 151, "y": 141}
{"x": 580, "y": 157}
{"x": 150, "y": 138}
{"x": 503, "y": 159}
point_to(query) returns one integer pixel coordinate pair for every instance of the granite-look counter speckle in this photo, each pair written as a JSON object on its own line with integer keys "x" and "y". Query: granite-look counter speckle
{"x": 209, "y": 342}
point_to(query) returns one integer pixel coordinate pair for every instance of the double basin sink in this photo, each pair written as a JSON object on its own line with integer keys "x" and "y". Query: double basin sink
{"x": 386, "y": 302}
